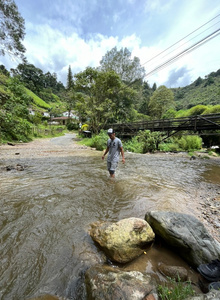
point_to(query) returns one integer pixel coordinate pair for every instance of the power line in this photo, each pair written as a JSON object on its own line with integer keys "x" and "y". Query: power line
{"x": 181, "y": 39}
{"x": 186, "y": 51}
{"x": 188, "y": 40}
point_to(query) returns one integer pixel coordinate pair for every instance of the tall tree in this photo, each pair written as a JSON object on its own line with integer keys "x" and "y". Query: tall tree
{"x": 70, "y": 83}
{"x": 128, "y": 69}
{"x": 12, "y": 29}
{"x": 102, "y": 97}
{"x": 161, "y": 101}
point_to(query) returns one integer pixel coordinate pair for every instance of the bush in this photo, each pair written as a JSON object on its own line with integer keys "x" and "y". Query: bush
{"x": 213, "y": 110}
{"x": 100, "y": 140}
{"x": 72, "y": 126}
{"x": 197, "y": 110}
{"x": 190, "y": 142}
{"x": 133, "y": 145}
{"x": 169, "y": 147}
{"x": 150, "y": 140}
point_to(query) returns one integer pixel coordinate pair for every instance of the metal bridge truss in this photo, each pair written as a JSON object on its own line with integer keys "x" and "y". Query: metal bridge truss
{"x": 197, "y": 124}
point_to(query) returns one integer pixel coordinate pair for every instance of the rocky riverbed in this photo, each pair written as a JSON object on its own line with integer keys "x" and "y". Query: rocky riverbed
{"x": 207, "y": 201}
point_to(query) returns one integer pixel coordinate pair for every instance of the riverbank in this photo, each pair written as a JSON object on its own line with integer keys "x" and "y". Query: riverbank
{"x": 40, "y": 148}
{"x": 207, "y": 202}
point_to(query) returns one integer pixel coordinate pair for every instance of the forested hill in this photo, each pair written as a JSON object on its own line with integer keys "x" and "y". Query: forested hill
{"x": 202, "y": 91}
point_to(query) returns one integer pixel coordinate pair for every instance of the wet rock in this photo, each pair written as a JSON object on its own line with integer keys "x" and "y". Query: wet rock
{"x": 175, "y": 272}
{"x": 193, "y": 157}
{"x": 107, "y": 283}
{"x": 9, "y": 168}
{"x": 46, "y": 297}
{"x": 187, "y": 235}
{"x": 213, "y": 295}
{"x": 122, "y": 241}
{"x": 18, "y": 167}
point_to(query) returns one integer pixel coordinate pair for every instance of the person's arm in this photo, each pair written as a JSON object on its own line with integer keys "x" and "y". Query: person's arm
{"x": 106, "y": 151}
{"x": 122, "y": 154}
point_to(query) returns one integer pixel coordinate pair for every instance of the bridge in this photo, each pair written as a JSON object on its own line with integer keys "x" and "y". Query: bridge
{"x": 197, "y": 124}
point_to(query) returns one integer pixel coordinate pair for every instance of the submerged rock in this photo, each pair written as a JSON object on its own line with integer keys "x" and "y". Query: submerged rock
{"x": 187, "y": 235}
{"x": 107, "y": 283}
{"x": 175, "y": 272}
{"x": 124, "y": 240}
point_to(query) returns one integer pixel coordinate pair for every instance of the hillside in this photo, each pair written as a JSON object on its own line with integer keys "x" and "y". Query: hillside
{"x": 201, "y": 91}
{"x": 15, "y": 102}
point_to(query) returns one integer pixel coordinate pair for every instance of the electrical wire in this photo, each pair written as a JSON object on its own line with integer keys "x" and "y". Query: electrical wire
{"x": 181, "y": 40}
{"x": 184, "y": 43}
{"x": 184, "y": 52}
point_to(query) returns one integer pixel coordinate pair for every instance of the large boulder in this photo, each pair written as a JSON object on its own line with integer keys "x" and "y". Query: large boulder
{"x": 124, "y": 240}
{"x": 186, "y": 234}
{"x": 108, "y": 283}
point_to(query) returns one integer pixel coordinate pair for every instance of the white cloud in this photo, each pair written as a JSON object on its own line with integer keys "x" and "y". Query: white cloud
{"x": 58, "y": 43}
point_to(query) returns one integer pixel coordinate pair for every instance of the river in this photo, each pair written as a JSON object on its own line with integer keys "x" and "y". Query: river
{"x": 47, "y": 208}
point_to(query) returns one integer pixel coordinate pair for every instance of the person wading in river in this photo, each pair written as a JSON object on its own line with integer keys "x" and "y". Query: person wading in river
{"x": 114, "y": 148}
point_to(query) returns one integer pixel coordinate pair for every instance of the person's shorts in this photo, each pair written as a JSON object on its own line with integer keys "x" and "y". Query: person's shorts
{"x": 111, "y": 166}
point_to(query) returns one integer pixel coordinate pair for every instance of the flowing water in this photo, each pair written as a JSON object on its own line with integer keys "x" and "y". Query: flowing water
{"x": 46, "y": 211}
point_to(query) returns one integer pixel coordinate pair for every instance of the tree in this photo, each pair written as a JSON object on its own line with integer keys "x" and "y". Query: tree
{"x": 154, "y": 87}
{"x": 161, "y": 101}
{"x": 121, "y": 62}
{"x": 102, "y": 97}
{"x": 4, "y": 71}
{"x": 70, "y": 82}
{"x": 198, "y": 81}
{"x": 12, "y": 29}
{"x": 14, "y": 113}
{"x": 32, "y": 77}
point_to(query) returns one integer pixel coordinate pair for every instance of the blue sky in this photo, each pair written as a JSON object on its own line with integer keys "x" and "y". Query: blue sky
{"x": 79, "y": 32}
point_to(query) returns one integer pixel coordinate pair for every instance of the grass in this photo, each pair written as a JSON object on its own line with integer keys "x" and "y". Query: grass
{"x": 38, "y": 101}
{"x": 173, "y": 290}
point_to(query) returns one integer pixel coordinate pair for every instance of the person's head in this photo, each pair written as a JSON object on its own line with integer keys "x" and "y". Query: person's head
{"x": 111, "y": 133}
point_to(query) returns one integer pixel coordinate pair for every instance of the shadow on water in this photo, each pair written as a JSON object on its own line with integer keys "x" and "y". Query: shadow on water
{"x": 46, "y": 211}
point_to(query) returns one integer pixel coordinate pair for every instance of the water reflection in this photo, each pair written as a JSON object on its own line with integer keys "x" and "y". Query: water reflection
{"x": 47, "y": 208}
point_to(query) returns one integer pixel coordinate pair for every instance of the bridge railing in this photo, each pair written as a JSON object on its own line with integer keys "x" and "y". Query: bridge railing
{"x": 195, "y": 123}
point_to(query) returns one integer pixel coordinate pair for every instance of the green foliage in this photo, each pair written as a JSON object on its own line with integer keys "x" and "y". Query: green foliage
{"x": 151, "y": 140}
{"x": 189, "y": 142}
{"x": 43, "y": 85}
{"x": 144, "y": 142}
{"x": 72, "y": 126}
{"x": 197, "y": 110}
{"x": 198, "y": 81}
{"x": 4, "y": 71}
{"x": 170, "y": 114}
{"x": 201, "y": 91}
{"x": 101, "y": 96}
{"x": 70, "y": 82}
{"x": 100, "y": 141}
{"x": 38, "y": 101}
{"x": 175, "y": 290}
{"x": 213, "y": 109}
{"x": 161, "y": 101}
{"x": 133, "y": 145}
{"x": 12, "y": 29}
{"x": 129, "y": 69}
{"x": 169, "y": 147}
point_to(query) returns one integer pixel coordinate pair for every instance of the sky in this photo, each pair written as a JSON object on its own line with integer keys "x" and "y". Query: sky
{"x": 78, "y": 33}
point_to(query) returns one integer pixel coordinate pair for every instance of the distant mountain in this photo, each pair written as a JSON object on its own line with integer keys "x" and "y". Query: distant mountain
{"x": 201, "y": 91}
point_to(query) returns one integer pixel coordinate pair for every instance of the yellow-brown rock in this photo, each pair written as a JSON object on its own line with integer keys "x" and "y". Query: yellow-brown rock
{"x": 124, "y": 240}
